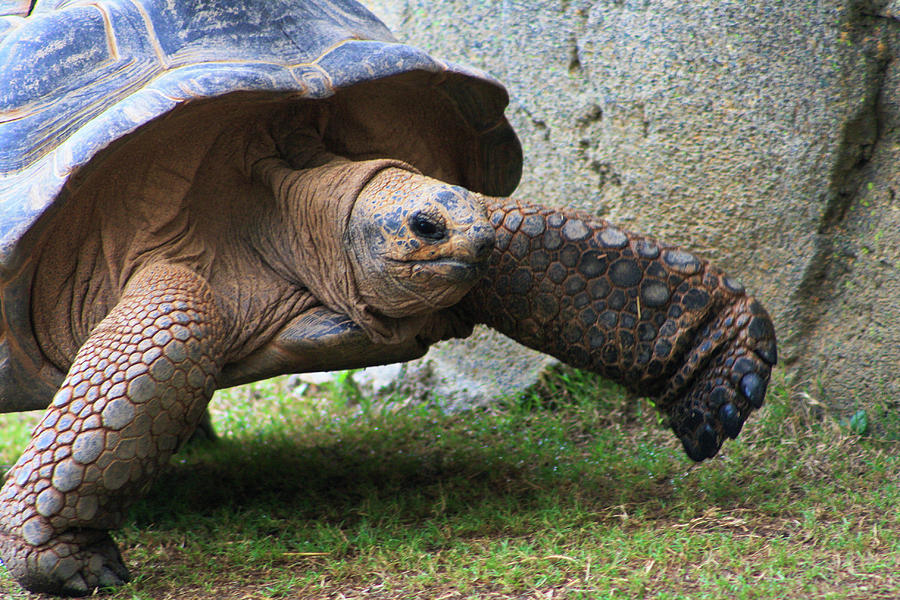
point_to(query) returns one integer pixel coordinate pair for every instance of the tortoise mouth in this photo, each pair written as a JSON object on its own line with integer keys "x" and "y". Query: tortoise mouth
{"x": 456, "y": 270}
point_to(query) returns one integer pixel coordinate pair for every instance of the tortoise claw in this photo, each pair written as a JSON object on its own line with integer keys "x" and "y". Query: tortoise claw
{"x": 731, "y": 420}
{"x": 722, "y": 384}
{"x": 754, "y": 389}
{"x": 708, "y": 441}
{"x": 74, "y": 563}
{"x": 76, "y": 586}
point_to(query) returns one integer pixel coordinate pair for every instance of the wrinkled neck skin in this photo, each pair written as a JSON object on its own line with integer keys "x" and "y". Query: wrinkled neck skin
{"x": 351, "y": 231}
{"x": 313, "y": 248}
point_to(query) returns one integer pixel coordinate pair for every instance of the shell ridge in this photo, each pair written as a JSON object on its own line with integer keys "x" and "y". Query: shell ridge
{"x": 151, "y": 34}
{"x": 111, "y": 41}
{"x": 67, "y": 113}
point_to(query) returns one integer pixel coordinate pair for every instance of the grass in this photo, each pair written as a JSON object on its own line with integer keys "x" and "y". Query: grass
{"x": 574, "y": 491}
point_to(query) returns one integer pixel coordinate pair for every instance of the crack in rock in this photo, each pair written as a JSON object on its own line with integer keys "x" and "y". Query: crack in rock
{"x": 860, "y": 135}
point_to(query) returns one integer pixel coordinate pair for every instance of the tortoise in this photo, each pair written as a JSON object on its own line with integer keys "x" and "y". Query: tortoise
{"x": 201, "y": 194}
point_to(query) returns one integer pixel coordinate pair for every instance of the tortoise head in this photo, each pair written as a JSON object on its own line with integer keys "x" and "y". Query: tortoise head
{"x": 420, "y": 244}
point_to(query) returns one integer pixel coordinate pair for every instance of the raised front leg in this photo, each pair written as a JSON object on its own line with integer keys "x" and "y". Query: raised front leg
{"x": 658, "y": 319}
{"x": 134, "y": 393}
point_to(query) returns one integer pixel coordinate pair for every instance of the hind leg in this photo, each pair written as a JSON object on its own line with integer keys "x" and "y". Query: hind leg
{"x": 135, "y": 392}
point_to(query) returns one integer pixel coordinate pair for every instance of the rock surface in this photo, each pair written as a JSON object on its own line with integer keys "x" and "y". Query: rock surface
{"x": 762, "y": 135}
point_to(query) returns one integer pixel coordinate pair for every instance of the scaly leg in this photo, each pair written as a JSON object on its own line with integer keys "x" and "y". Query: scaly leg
{"x": 134, "y": 393}
{"x": 653, "y": 317}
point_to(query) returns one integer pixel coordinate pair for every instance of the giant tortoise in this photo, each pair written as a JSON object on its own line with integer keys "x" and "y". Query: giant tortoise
{"x": 199, "y": 194}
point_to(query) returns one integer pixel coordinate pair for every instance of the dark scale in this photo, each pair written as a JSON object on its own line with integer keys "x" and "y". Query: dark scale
{"x": 588, "y": 316}
{"x": 596, "y": 337}
{"x": 519, "y": 306}
{"x": 646, "y": 332}
{"x": 610, "y": 354}
{"x": 574, "y": 285}
{"x": 572, "y": 333}
{"x": 654, "y": 368}
{"x": 512, "y": 221}
{"x": 539, "y": 260}
{"x": 533, "y": 225}
{"x": 503, "y": 239}
{"x": 617, "y": 300}
{"x": 599, "y": 289}
{"x": 519, "y": 247}
{"x": 760, "y": 329}
{"x": 569, "y": 256}
{"x": 643, "y": 354}
{"x": 557, "y": 272}
{"x": 609, "y": 319}
{"x": 674, "y": 280}
{"x": 546, "y": 307}
{"x": 695, "y": 299}
{"x": 592, "y": 264}
{"x": 503, "y": 287}
{"x": 711, "y": 280}
{"x": 662, "y": 349}
{"x": 675, "y": 309}
{"x": 656, "y": 270}
{"x": 521, "y": 281}
{"x": 552, "y": 239}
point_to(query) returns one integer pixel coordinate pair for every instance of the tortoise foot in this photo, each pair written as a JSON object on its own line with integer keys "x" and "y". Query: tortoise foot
{"x": 75, "y": 563}
{"x": 723, "y": 380}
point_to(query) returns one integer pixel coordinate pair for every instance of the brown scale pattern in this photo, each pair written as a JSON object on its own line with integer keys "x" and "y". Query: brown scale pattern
{"x": 656, "y": 318}
{"x": 136, "y": 390}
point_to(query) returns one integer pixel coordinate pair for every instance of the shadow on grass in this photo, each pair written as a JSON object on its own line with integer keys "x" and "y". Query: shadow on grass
{"x": 410, "y": 476}
{"x": 448, "y": 473}
{"x": 476, "y": 474}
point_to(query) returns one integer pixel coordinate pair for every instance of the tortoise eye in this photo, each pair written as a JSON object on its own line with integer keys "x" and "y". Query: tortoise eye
{"x": 428, "y": 227}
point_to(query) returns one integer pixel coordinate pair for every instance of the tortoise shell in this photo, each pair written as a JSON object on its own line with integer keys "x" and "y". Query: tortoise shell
{"x": 81, "y": 80}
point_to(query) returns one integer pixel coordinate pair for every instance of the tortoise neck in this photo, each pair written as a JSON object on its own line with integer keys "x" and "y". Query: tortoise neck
{"x": 313, "y": 249}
